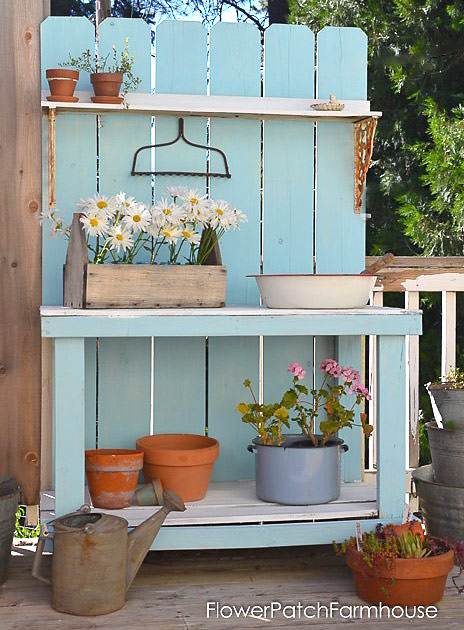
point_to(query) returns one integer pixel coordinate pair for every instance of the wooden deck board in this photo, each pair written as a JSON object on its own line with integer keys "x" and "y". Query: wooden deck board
{"x": 172, "y": 588}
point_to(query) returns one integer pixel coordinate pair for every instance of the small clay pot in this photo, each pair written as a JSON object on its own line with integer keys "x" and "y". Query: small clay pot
{"x": 181, "y": 461}
{"x": 107, "y": 86}
{"x": 62, "y": 84}
{"x": 112, "y": 476}
{"x": 404, "y": 582}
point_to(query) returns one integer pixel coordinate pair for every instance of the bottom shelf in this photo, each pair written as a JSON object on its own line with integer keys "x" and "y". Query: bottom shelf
{"x": 236, "y": 503}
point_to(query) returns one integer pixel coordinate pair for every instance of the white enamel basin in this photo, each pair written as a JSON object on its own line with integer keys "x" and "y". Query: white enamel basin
{"x": 315, "y": 291}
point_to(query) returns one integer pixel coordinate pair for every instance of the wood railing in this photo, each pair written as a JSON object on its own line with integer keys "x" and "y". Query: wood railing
{"x": 411, "y": 275}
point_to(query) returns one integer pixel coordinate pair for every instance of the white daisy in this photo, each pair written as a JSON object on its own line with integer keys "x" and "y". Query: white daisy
{"x": 118, "y": 237}
{"x": 176, "y": 191}
{"x": 196, "y": 206}
{"x": 171, "y": 233}
{"x": 98, "y": 204}
{"x": 137, "y": 218}
{"x": 190, "y": 235}
{"x": 164, "y": 210}
{"x": 94, "y": 224}
{"x": 123, "y": 201}
{"x": 222, "y": 215}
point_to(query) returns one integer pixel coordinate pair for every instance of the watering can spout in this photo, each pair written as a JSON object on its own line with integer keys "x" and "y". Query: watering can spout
{"x": 141, "y": 538}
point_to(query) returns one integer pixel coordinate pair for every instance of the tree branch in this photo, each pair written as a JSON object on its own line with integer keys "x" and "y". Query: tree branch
{"x": 242, "y": 10}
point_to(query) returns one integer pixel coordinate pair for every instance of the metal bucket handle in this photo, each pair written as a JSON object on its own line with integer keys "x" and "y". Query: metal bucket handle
{"x": 44, "y": 534}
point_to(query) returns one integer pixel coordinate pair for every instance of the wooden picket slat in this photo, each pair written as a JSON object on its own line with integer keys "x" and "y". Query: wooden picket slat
{"x": 124, "y": 365}
{"x": 179, "y": 364}
{"x": 288, "y": 201}
{"x": 76, "y": 152}
{"x": 233, "y": 360}
{"x": 340, "y": 233}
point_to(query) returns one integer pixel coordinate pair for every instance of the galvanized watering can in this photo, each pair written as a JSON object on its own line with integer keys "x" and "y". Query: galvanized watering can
{"x": 95, "y": 558}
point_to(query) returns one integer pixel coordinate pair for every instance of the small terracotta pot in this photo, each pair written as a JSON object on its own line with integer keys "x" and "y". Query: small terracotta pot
{"x": 405, "y": 582}
{"x": 107, "y": 86}
{"x": 181, "y": 461}
{"x": 62, "y": 84}
{"x": 112, "y": 476}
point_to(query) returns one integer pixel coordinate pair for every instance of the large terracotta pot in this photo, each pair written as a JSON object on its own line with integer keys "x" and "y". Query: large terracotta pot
{"x": 181, "y": 461}
{"x": 112, "y": 476}
{"x": 107, "y": 86}
{"x": 405, "y": 582}
{"x": 62, "y": 84}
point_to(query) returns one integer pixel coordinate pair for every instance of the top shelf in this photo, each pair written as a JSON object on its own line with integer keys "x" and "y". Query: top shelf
{"x": 261, "y": 108}
{"x": 60, "y": 321}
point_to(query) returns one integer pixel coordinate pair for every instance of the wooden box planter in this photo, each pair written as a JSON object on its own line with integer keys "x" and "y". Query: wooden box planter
{"x": 86, "y": 285}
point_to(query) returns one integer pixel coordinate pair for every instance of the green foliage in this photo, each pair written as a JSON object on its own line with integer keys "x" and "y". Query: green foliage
{"x": 412, "y": 546}
{"x": 415, "y": 74}
{"x": 267, "y": 419}
{"x": 454, "y": 379}
{"x": 20, "y": 530}
{"x": 114, "y": 61}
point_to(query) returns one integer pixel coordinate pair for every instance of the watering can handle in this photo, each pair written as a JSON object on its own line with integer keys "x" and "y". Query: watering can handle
{"x": 38, "y": 560}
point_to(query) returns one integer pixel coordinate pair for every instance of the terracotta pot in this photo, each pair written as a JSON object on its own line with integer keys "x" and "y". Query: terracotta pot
{"x": 62, "y": 84}
{"x": 106, "y": 86}
{"x": 406, "y": 582}
{"x": 182, "y": 462}
{"x": 112, "y": 476}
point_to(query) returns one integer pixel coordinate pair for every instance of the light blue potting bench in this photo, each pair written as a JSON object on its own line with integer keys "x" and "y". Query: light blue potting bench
{"x": 121, "y": 374}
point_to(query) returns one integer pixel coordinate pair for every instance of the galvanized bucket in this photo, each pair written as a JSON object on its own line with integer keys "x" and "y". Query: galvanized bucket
{"x": 9, "y": 499}
{"x": 450, "y": 403}
{"x": 297, "y": 473}
{"x": 442, "y": 506}
{"x": 447, "y": 448}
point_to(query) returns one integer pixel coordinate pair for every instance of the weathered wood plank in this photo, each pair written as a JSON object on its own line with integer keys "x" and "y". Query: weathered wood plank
{"x": 148, "y": 286}
{"x": 20, "y": 242}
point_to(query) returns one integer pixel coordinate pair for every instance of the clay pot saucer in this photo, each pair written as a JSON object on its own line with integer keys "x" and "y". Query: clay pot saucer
{"x": 110, "y": 100}
{"x": 63, "y": 99}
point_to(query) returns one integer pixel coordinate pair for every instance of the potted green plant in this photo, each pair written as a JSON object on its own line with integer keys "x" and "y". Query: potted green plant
{"x": 304, "y": 468}
{"x": 111, "y": 234}
{"x": 107, "y": 73}
{"x": 399, "y": 566}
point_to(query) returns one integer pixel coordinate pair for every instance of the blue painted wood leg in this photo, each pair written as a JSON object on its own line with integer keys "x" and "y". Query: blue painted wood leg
{"x": 391, "y": 435}
{"x": 69, "y": 423}
{"x": 349, "y": 352}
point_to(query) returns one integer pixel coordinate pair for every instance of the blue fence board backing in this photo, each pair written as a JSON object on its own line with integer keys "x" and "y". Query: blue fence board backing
{"x": 124, "y": 364}
{"x": 288, "y": 203}
{"x": 179, "y": 364}
{"x": 197, "y": 382}
{"x": 230, "y": 361}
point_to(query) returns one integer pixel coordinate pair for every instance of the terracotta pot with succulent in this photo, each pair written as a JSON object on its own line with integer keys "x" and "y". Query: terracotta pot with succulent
{"x": 124, "y": 254}
{"x": 108, "y": 73}
{"x": 399, "y": 566}
{"x": 304, "y": 468}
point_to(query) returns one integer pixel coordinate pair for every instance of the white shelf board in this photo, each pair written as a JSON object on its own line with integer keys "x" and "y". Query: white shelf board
{"x": 262, "y": 108}
{"x": 236, "y": 502}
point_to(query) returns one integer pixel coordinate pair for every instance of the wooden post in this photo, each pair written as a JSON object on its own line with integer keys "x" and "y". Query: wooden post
{"x": 102, "y": 11}
{"x": 412, "y": 388}
{"x": 20, "y": 242}
{"x": 448, "y": 332}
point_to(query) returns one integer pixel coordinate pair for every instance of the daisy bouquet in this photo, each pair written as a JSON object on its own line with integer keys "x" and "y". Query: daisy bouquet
{"x": 182, "y": 227}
